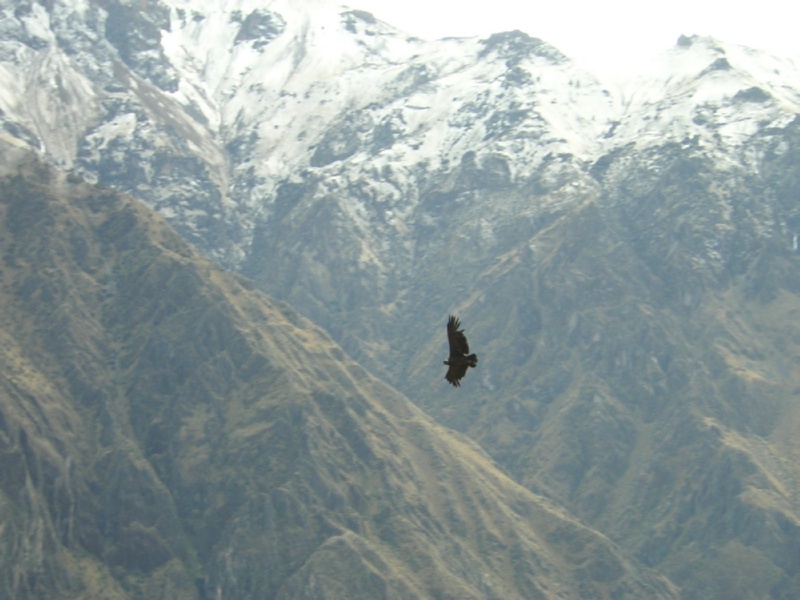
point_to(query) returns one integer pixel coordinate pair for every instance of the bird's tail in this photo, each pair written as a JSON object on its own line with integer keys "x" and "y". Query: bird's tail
{"x": 472, "y": 360}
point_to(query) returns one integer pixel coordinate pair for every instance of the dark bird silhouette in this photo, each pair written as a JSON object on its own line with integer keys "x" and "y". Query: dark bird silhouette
{"x": 459, "y": 358}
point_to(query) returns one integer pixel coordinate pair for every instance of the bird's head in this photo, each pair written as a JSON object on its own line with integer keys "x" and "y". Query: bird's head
{"x": 447, "y": 362}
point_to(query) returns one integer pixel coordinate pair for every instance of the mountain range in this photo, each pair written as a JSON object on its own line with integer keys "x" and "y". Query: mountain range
{"x": 168, "y": 431}
{"x": 622, "y": 254}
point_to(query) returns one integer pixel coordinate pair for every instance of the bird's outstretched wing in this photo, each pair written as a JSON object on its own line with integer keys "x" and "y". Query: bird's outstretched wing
{"x": 455, "y": 373}
{"x": 456, "y": 339}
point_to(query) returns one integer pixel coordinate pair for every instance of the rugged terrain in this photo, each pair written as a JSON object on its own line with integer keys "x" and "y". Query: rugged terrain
{"x": 623, "y": 255}
{"x": 167, "y": 431}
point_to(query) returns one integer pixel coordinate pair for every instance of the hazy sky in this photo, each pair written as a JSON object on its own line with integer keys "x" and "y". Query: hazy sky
{"x": 613, "y": 35}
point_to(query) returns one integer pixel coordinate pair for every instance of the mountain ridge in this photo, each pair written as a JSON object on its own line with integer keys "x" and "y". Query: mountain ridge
{"x": 167, "y": 431}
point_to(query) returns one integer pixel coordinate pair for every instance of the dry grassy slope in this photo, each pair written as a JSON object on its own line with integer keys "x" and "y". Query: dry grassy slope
{"x": 168, "y": 432}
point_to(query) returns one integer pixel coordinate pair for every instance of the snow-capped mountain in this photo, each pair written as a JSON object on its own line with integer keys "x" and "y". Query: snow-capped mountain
{"x": 205, "y": 109}
{"x": 235, "y": 97}
{"x": 722, "y": 93}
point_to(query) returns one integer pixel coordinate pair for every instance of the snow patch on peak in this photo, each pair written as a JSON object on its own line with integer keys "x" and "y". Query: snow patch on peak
{"x": 702, "y": 88}
{"x": 36, "y": 23}
{"x": 53, "y": 89}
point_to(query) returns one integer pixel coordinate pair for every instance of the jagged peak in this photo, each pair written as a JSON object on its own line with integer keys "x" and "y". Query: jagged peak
{"x": 694, "y": 41}
{"x": 703, "y": 69}
{"x": 516, "y": 45}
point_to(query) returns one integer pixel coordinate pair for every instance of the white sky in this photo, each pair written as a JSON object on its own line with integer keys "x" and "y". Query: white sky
{"x": 614, "y": 36}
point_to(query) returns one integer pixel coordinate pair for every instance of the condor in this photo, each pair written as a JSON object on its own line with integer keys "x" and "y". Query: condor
{"x": 460, "y": 358}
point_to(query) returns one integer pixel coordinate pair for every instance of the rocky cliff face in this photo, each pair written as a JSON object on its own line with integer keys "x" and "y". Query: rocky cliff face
{"x": 167, "y": 431}
{"x": 658, "y": 338}
{"x": 624, "y": 258}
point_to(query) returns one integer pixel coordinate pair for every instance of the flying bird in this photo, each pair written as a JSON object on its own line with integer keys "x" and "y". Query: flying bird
{"x": 459, "y": 358}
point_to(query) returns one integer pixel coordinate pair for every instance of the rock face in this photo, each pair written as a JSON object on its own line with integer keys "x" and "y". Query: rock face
{"x": 624, "y": 258}
{"x": 167, "y": 431}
